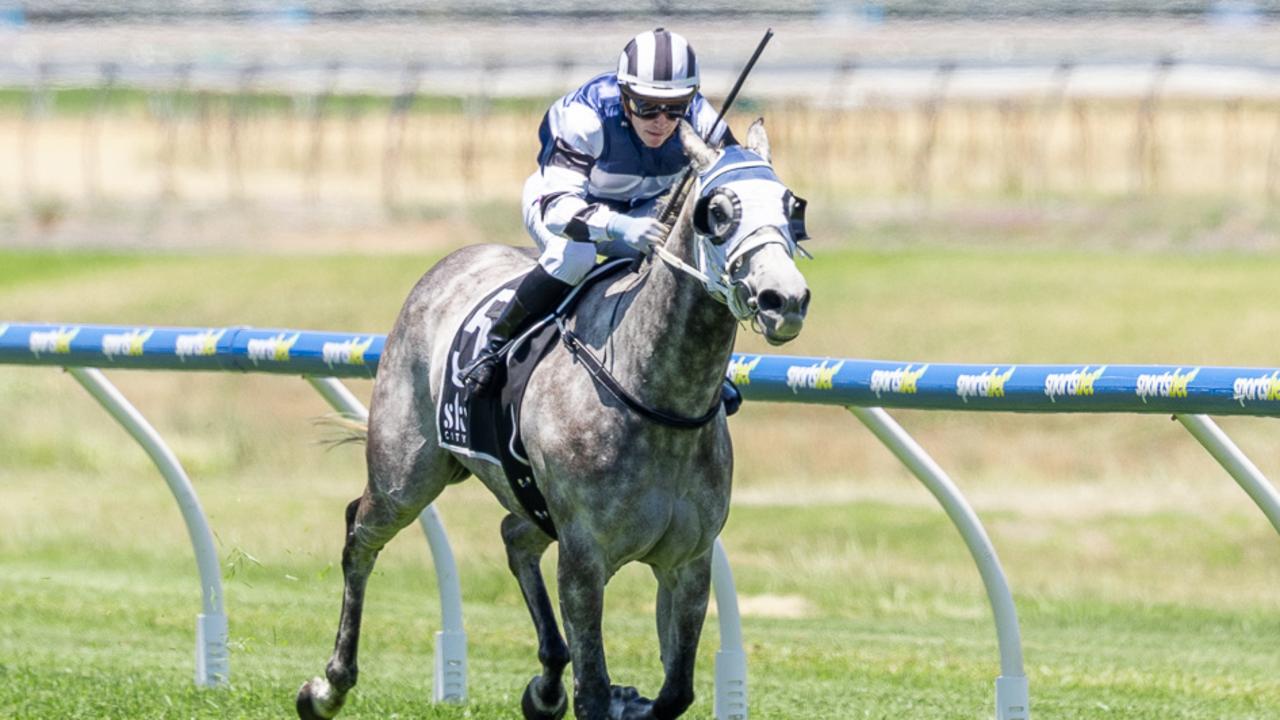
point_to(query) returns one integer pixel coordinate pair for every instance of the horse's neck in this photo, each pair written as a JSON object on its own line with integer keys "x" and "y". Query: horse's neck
{"x": 672, "y": 344}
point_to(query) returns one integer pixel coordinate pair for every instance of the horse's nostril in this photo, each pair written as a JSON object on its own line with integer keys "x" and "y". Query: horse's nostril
{"x": 804, "y": 302}
{"x": 769, "y": 301}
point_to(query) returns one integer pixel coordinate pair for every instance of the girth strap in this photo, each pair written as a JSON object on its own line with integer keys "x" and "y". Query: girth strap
{"x": 604, "y": 379}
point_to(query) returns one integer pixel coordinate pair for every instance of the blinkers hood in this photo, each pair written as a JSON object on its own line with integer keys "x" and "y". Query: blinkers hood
{"x": 739, "y": 195}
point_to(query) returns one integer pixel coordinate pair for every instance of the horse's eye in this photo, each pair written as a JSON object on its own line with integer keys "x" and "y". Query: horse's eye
{"x": 724, "y": 212}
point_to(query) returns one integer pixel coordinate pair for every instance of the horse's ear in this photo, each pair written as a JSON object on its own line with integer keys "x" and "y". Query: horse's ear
{"x": 700, "y": 155}
{"x": 758, "y": 140}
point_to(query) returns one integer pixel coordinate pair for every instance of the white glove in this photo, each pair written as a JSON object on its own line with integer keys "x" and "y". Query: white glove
{"x": 641, "y": 233}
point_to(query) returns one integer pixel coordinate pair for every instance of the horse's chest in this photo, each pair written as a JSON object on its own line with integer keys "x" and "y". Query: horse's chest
{"x": 683, "y": 510}
{"x": 641, "y": 491}
{"x": 689, "y": 533}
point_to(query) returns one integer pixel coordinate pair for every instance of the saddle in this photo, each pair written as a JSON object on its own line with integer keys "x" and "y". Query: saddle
{"x": 488, "y": 427}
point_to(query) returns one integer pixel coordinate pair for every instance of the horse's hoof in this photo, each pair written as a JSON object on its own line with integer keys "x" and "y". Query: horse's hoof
{"x": 316, "y": 700}
{"x": 533, "y": 708}
{"x": 626, "y": 703}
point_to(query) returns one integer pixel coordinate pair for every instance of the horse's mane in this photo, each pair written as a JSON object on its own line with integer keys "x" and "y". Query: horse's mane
{"x": 671, "y": 202}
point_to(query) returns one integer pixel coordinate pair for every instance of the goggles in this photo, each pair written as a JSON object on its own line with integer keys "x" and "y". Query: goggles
{"x": 648, "y": 110}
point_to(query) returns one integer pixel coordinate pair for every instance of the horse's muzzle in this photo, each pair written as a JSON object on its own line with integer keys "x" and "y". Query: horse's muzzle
{"x": 780, "y": 315}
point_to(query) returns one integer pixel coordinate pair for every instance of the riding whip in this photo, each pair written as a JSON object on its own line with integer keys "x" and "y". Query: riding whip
{"x": 733, "y": 94}
{"x": 677, "y": 200}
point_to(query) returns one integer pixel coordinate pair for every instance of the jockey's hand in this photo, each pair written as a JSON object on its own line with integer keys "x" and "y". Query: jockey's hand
{"x": 641, "y": 233}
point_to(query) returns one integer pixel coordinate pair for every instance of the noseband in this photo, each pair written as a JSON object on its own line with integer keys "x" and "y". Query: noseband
{"x": 715, "y": 277}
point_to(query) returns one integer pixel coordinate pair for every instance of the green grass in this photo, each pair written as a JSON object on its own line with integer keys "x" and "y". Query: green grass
{"x": 953, "y": 305}
{"x": 1146, "y": 583}
{"x": 110, "y": 633}
{"x": 31, "y": 268}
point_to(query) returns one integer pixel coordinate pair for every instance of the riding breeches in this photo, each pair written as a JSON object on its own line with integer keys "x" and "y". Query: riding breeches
{"x": 564, "y": 259}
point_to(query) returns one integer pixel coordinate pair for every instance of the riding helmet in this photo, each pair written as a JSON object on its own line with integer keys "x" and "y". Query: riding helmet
{"x": 658, "y": 64}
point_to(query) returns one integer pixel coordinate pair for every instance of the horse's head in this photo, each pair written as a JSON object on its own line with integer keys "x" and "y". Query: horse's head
{"x": 740, "y": 226}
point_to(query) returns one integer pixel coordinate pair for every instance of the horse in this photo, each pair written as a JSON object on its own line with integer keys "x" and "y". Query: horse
{"x": 620, "y": 486}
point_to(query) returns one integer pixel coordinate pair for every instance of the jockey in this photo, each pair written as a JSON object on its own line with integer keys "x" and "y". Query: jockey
{"x": 609, "y": 150}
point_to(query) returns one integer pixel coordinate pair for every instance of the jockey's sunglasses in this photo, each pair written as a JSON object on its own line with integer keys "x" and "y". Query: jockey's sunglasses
{"x": 647, "y": 110}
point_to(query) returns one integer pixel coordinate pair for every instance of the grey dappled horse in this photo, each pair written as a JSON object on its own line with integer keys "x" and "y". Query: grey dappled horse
{"x": 620, "y": 487}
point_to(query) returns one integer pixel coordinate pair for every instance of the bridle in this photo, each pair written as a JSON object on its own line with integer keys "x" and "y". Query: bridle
{"x": 715, "y": 268}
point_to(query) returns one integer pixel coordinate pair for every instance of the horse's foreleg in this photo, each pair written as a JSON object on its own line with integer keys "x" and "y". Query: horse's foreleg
{"x": 581, "y": 576}
{"x": 544, "y": 698}
{"x": 682, "y": 608}
{"x": 663, "y": 615}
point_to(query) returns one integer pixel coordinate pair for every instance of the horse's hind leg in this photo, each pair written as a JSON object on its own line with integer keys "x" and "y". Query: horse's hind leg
{"x": 544, "y": 698}
{"x": 402, "y": 482}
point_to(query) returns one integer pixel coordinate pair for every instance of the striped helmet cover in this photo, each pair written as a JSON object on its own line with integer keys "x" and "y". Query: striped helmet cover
{"x": 659, "y": 64}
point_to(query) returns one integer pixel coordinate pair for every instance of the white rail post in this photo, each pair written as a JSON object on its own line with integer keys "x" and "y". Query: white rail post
{"x": 449, "y": 679}
{"x": 1230, "y": 457}
{"x": 731, "y": 660}
{"x": 212, "y": 662}
{"x": 450, "y": 676}
{"x": 1012, "y": 693}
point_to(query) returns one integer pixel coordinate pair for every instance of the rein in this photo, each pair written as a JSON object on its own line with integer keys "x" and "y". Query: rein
{"x": 674, "y": 261}
{"x": 719, "y": 285}
{"x": 603, "y": 378}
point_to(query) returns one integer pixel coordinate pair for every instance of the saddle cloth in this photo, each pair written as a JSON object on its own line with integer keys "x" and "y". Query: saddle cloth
{"x": 488, "y": 428}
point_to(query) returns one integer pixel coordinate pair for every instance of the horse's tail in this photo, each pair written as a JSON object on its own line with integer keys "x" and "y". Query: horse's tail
{"x": 342, "y": 429}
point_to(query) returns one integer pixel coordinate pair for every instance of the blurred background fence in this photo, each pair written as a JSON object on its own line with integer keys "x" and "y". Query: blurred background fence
{"x": 419, "y": 110}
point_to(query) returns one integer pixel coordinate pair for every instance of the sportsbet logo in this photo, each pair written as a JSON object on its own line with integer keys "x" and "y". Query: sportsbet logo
{"x": 129, "y": 344}
{"x": 347, "y": 352}
{"x": 739, "y": 372}
{"x": 812, "y": 377}
{"x": 201, "y": 344}
{"x": 55, "y": 342}
{"x": 1264, "y": 387}
{"x": 276, "y": 348}
{"x": 902, "y": 380}
{"x": 1077, "y": 383}
{"x": 989, "y": 384}
{"x": 1166, "y": 384}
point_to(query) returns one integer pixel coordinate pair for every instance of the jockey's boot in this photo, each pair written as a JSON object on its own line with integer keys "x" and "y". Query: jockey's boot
{"x": 537, "y": 294}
